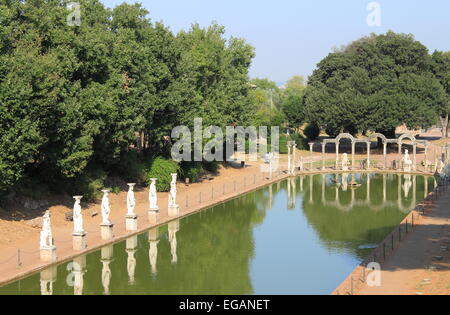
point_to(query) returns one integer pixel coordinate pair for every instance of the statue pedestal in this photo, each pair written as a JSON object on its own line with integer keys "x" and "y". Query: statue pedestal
{"x": 407, "y": 168}
{"x": 153, "y": 217}
{"x": 49, "y": 274}
{"x": 132, "y": 243}
{"x": 79, "y": 241}
{"x": 131, "y": 222}
{"x": 106, "y": 231}
{"x": 48, "y": 254}
{"x": 173, "y": 211}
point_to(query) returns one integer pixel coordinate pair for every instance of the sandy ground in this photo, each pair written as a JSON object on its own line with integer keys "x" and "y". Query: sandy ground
{"x": 421, "y": 264}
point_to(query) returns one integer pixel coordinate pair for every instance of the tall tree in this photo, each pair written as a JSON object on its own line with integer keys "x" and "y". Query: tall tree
{"x": 441, "y": 69}
{"x": 376, "y": 83}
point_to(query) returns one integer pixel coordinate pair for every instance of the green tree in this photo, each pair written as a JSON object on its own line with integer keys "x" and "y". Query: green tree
{"x": 441, "y": 69}
{"x": 376, "y": 83}
{"x": 292, "y": 103}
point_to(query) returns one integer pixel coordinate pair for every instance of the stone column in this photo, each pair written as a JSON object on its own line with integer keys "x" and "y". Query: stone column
{"x": 323, "y": 156}
{"x": 415, "y": 157}
{"x": 353, "y": 154}
{"x": 311, "y": 148}
{"x": 399, "y": 151}
{"x": 368, "y": 154}
{"x": 426, "y": 157}
{"x": 294, "y": 148}
{"x": 385, "y": 155}
{"x": 289, "y": 158}
{"x": 337, "y": 155}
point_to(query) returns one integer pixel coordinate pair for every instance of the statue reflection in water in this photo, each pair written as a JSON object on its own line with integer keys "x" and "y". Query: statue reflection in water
{"x": 153, "y": 239}
{"x": 131, "y": 248}
{"x": 174, "y": 227}
{"x": 107, "y": 255}
{"x": 48, "y": 277}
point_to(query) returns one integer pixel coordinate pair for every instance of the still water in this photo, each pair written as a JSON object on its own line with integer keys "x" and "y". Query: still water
{"x": 300, "y": 236}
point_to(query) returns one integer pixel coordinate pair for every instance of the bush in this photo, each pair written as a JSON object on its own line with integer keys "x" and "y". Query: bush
{"x": 131, "y": 168}
{"x": 161, "y": 169}
{"x": 191, "y": 170}
{"x": 88, "y": 185}
{"x": 212, "y": 166}
{"x": 301, "y": 141}
{"x": 311, "y": 132}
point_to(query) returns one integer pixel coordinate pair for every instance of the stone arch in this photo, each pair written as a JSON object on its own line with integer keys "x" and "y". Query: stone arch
{"x": 385, "y": 142}
{"x": 345, "y": 136}
{"x": 406, "y": 136}
{"x": 378, "y": 135}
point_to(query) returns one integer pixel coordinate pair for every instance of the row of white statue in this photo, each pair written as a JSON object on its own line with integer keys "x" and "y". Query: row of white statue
{"x": 47, "y": 245}
{"x": 77, "y": 267}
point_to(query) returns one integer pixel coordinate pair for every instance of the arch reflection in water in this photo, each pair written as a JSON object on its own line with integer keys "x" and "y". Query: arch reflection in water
{"x": 239, "y": 247}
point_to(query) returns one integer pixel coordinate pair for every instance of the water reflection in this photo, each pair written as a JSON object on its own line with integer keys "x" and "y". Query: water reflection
{"x": 153, "y": 239}
{"x": 131, "y": 248}
{"x": 240, "y": 247}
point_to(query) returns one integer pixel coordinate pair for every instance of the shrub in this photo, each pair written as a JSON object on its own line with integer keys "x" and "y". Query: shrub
{"x": 161, "y": 169}
{"x": 311, "y": 132}
{"x": 191, "y": 170}
{"x": 301, "y": 141}
{"x": 131, "y": 168}
{"x": 212, "y": 166}
{"x": 88, "y": 185}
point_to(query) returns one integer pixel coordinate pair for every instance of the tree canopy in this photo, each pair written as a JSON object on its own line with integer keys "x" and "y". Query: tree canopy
{"x": 76, "y": 96}
{"x": 376, "y": 83}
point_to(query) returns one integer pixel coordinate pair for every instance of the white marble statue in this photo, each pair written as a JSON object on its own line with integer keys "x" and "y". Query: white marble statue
{"x": 77, "y": 216}
{"x": 301, "y": 164}
{"x": 407, "y": 163}
{"x": 106, "y": 208}
{"x": 173, "y": 191}
{"x": 131, "y": 202}
{"x": 152, "y": 195}
{"x": 345, "y": 162}
{"x": 46, "y": 239}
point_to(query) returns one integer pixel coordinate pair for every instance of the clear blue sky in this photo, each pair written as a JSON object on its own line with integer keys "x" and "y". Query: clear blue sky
{"x": 292, "y": 36}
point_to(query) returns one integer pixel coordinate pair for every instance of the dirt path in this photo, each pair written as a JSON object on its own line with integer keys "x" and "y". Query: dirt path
{"x": 421, "y": 264}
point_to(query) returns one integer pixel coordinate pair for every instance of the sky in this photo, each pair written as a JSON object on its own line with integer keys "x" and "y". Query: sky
{"x": 292, "y": 36}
